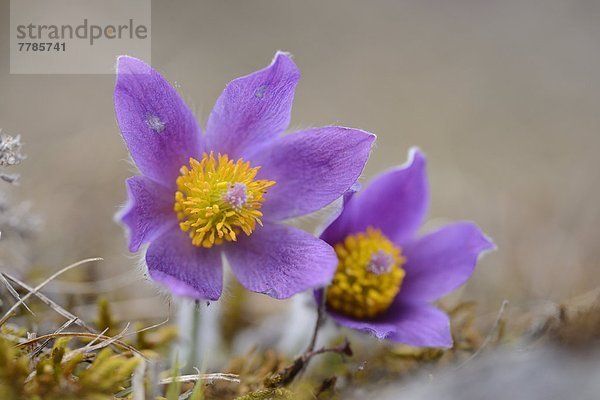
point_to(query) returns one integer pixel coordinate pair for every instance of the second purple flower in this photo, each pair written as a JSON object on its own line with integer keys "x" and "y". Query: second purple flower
{"x": 388, "y": 275}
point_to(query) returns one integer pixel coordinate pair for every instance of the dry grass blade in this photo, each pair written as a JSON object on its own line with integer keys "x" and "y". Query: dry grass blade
{"x": 91, "y": 347}
{"x": 53, "y": 305}
{"x": 201, "y": 377}
{"x": 98, "y": 336}
{"x": 107, "y": 342}
{"x": 39, "y": 349}
{"x": 44, "y": 283}
{"x": 87, "y": 349}
{"x": 488, "y": 338}
{"x": 12, "y": 291}
{"x": 80, "y": 334}
{"x": 153, "y": 326}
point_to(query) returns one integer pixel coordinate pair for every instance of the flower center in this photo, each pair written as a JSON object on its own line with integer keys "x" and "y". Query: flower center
{"x": 368, "y": 275}
{"x": 219, "y": 198}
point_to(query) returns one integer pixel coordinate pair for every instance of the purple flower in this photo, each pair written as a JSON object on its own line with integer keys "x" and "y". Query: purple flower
{"x": 386, "y": 276}
{"x": 228, "y": 190}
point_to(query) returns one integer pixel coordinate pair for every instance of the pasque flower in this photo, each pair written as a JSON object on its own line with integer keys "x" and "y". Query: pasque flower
{"x": 227, "y": 190}
{"x": 387, "y": 276}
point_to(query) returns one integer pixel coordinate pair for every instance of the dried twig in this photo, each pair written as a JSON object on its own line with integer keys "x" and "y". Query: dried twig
{"x": 39, "y": 349}
{"x": 50, "y": 303}
{"x": 318, "y": 323}
{"x": 94, "y": 340}
{"x": 108, "y": 341}
{"x": 286, "y": 376}
{"x": 79, "y": 334}
{"x": 87, "y": 350}
{"x": 44, "y": 283}
{"x": 12, "y": 291}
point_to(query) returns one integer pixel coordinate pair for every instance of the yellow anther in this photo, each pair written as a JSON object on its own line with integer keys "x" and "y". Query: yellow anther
{"x": 368, "y": 275}
{"x": 219, "y": 198}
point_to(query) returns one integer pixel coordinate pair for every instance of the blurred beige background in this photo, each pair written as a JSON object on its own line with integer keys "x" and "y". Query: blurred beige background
{"x": 504, "y": 97}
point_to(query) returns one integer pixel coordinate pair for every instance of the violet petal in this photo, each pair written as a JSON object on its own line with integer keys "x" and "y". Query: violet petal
{"x": 185, "y": 269}
{"x": 253, "y": 109}
{"x": 412, "y": 324}
{"x": 395, "y": 202}
{"x": 281, "y": 261}
{"x": 158, "y": 127}
{"x": 311, "y": 169}
{"x": 441, "y": 261}
{"x": 148, "y": 211}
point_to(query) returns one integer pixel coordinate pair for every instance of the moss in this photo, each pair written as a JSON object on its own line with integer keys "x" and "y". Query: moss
{"x": 62, "y": 373}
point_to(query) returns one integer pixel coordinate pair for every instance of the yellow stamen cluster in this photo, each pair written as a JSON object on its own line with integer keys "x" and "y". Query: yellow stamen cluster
{"x": 368, "y": 275}
{"x": 219, "y": 198}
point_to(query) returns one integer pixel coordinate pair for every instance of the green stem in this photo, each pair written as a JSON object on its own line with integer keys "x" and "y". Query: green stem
{"x": 194, "y": 339}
